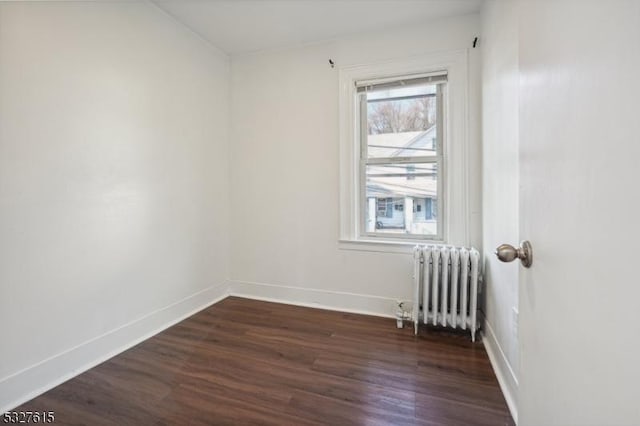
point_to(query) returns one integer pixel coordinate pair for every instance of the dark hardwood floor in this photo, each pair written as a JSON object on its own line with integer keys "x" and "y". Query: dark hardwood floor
{"x": 249, "y": 362}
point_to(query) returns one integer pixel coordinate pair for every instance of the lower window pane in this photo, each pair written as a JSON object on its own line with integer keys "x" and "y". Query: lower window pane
{"x": 402, "y": 199}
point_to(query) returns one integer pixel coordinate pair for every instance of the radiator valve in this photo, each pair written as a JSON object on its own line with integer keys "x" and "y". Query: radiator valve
{"x": 401, "y": 314}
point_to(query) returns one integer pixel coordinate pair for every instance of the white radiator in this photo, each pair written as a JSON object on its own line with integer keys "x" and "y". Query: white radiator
{"x": 446, "y": 287}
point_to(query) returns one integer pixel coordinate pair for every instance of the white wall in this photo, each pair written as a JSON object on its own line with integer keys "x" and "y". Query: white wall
{"x": 285, "y": 165}
{"x": 499, "y": 44}
{"x": 113, "y": 183}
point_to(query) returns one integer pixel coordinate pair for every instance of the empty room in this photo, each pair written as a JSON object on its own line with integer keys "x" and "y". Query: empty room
{"x": 319, "y": 212}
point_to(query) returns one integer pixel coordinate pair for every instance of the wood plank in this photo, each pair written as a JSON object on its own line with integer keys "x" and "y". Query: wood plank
{"x": 250, "y": 362}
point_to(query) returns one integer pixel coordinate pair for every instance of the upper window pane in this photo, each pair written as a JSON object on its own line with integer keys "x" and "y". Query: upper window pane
{"x": 402, "y": 122}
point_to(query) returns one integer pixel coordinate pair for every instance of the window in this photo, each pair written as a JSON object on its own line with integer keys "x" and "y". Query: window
{"x": 404, "y": 152}
{"x": 401, "y": 140}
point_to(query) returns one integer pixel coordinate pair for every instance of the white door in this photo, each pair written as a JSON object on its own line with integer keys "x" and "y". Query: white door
{"x": 580, "y": 208}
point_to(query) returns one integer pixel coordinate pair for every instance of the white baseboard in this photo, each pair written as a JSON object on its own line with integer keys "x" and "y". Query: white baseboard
{"x": 502, "y": 369}
{"x": 314, "y": 298}
{"x": 26, "y": 384}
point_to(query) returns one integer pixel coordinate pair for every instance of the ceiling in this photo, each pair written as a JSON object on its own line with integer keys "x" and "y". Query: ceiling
{"x": 239, "y": 26}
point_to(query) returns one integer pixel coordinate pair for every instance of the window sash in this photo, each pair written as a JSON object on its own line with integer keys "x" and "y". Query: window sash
{"x": 363, "y": 134}
{"x": 362, "y": 218}
{"x": 437, "y": 159}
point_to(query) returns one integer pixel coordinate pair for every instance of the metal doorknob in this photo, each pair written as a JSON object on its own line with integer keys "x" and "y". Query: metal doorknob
{"x": 508, "y": 253}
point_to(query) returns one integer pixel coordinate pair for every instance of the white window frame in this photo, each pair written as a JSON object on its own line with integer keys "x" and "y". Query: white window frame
{"x": 438, "y": 159}
{"x": 455, "y": 195}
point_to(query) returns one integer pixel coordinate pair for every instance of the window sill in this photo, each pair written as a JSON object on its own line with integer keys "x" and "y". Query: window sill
{"x": 386, "y": 246}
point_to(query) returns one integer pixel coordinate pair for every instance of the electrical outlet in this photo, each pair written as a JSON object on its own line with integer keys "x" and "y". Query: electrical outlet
{"x": 514, "y": 321}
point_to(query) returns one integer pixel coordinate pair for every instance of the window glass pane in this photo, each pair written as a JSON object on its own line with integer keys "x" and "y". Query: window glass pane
{"x": 401, "y": 122}
{"x": 402, "y": 199}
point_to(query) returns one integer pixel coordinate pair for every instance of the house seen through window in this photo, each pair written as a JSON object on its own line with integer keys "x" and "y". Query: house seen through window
{"x": 401, "y": 161}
